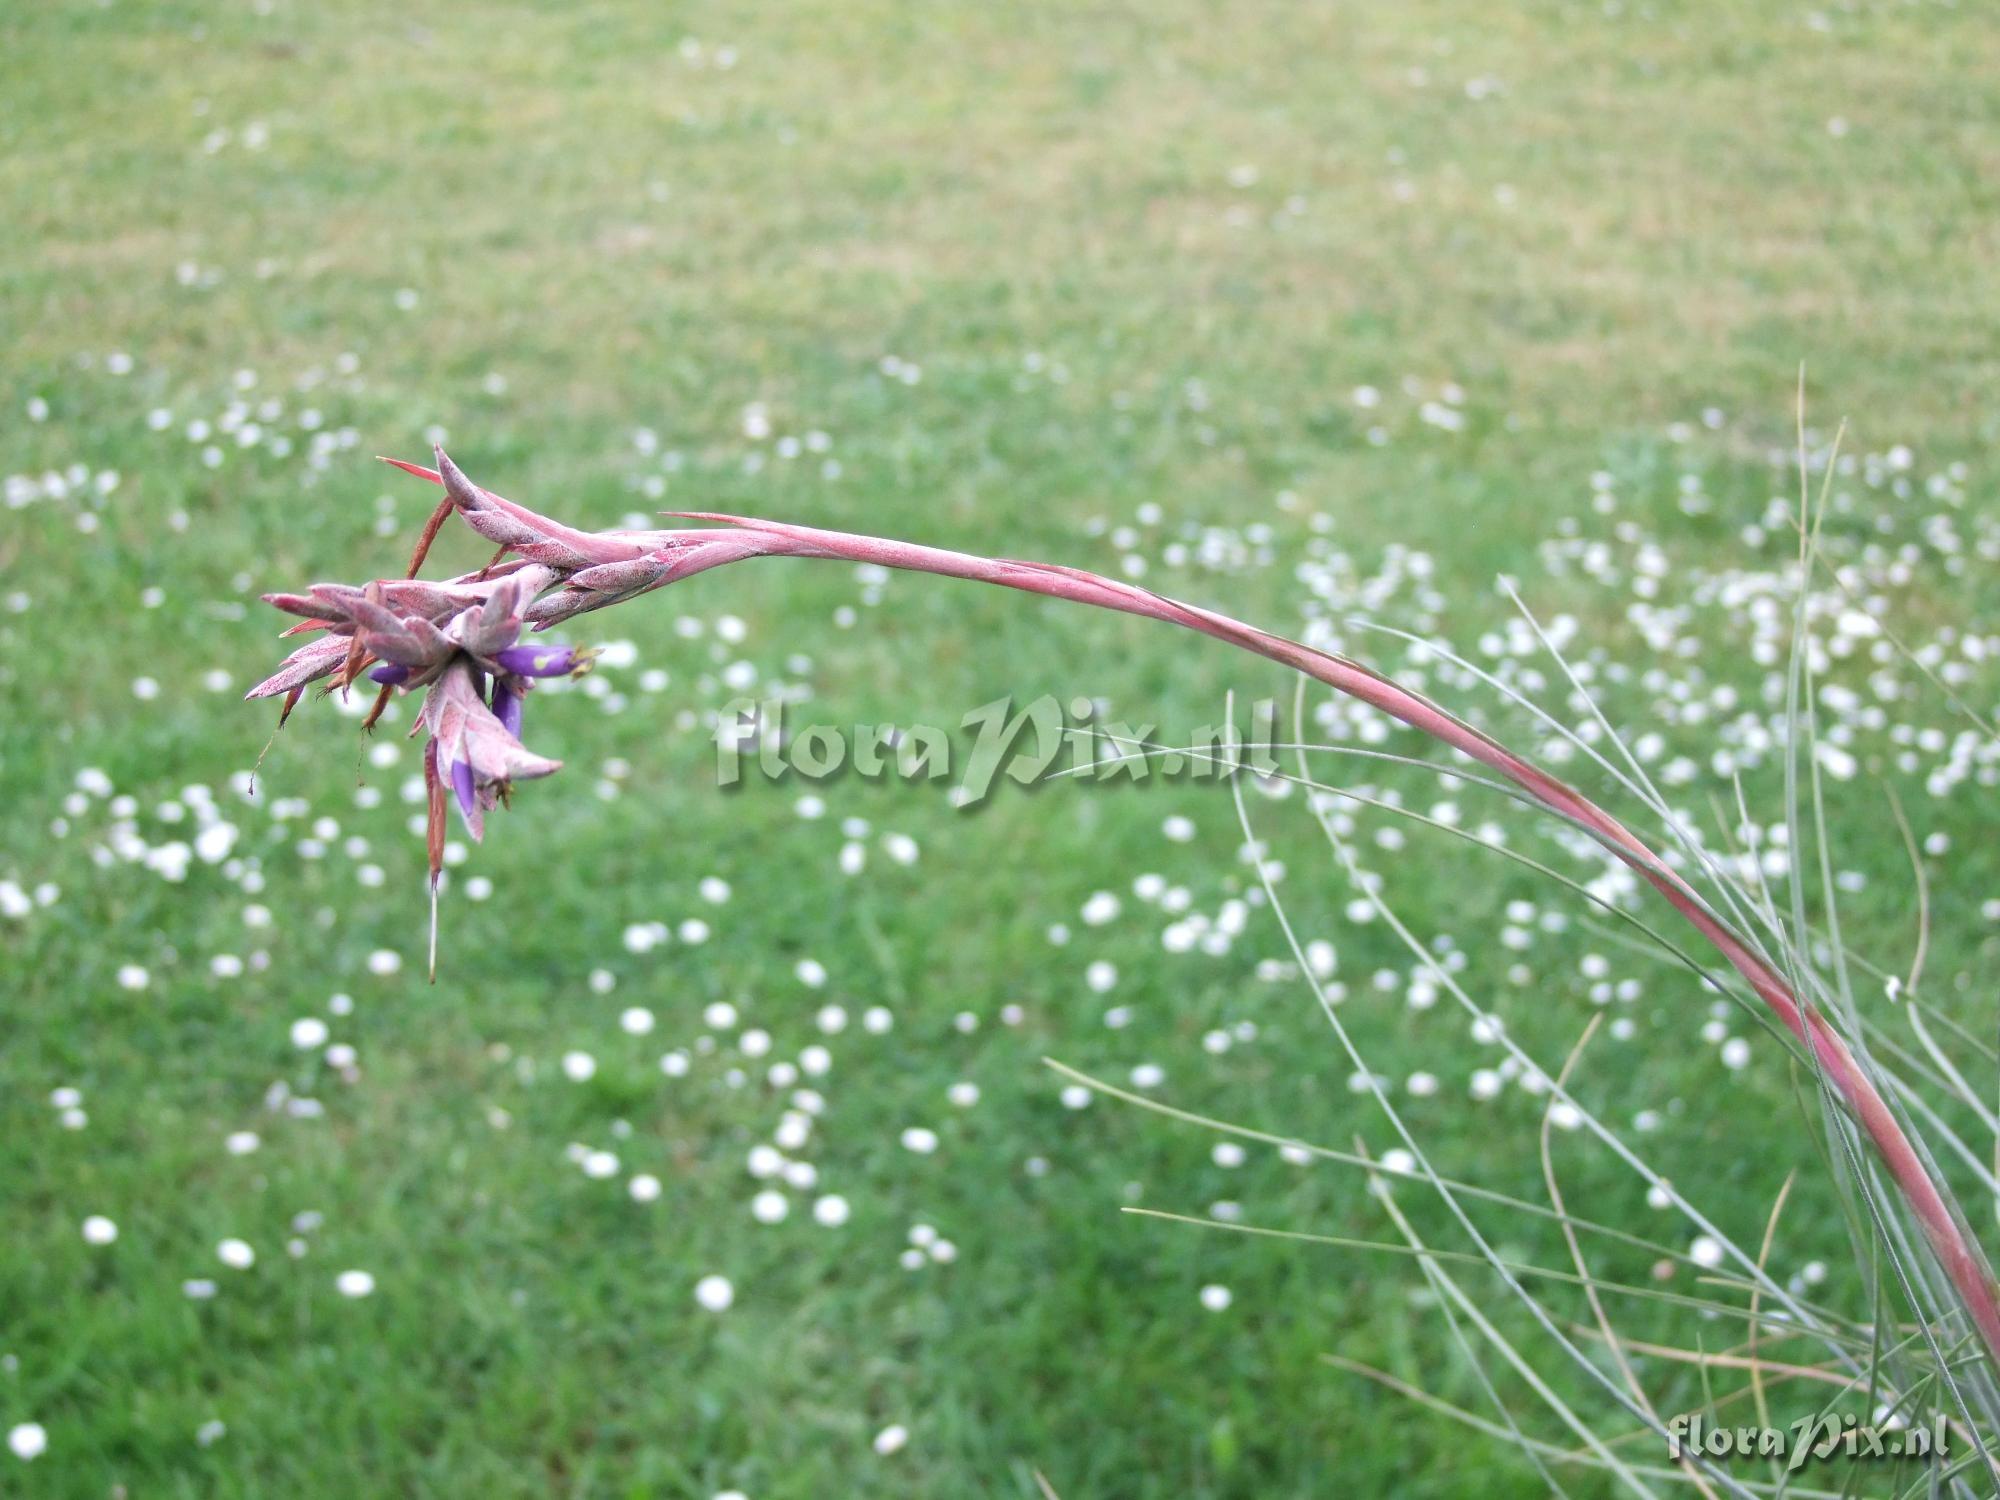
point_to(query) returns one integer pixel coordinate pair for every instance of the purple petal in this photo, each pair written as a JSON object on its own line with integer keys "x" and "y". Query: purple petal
{"x": 390, "y": 675}
{"x": 461, "y": 783}
{"x": 538, "y": 661}
{"x": 507, "y": 705}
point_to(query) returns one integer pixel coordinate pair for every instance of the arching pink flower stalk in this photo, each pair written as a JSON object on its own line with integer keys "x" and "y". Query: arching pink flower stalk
{"x": 453, "y": 637}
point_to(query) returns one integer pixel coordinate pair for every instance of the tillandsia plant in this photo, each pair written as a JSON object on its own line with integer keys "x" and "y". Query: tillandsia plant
{"x": 461, "y": 643}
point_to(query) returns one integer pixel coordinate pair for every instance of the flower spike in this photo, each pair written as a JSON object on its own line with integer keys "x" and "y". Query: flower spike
{"x": 454, "y": 637}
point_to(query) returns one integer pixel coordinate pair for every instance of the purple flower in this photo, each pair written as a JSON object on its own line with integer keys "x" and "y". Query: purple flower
{"x": 461, "y": 784}
{"x": 507, "y": 705}
{"x": 543, "y": 661}
{"x": 477, "y": 753}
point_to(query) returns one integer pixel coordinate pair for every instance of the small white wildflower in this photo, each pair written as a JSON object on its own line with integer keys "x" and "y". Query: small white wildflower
{"x": 891, "y": 1439}
{"x": 28, "y": 1440}
{"x": 1101, "y": 908}
{"x": 714, "y": 1293}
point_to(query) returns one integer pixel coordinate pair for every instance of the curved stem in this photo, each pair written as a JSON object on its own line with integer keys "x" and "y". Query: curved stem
{"x": 1959, "y": 1257}
{"x": 616, "y": 566}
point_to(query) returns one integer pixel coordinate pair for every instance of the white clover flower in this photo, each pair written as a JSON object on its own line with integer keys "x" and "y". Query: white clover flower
{"x": 28, "y": 1441}
{"x": 892, "y": 1439}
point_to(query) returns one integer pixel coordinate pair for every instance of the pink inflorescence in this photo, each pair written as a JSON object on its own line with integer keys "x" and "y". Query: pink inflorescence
{"x": 459, "y": 641}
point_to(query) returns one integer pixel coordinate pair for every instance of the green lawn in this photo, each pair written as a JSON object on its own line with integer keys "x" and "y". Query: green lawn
{"x": 1310, "y": 312}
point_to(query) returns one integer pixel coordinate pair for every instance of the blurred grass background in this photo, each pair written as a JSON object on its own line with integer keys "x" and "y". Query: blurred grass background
{"x": 1030, "y": 270}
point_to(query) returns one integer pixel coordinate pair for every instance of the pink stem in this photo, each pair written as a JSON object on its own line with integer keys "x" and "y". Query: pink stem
{"x": 675, "y": 555}
{"x": 1960, "y": 1258}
